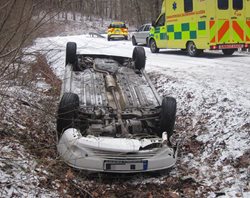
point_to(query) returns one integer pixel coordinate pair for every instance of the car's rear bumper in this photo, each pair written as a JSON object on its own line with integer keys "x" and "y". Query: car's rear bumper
{"x": 120, "y": 155}
{"x": 118, "y": 36}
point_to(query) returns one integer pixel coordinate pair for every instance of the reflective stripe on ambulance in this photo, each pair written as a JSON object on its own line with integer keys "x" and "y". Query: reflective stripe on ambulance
{"x": 220, "y": 31}
{"x": 238, "y": 31}
{"x": 247, "y": 31}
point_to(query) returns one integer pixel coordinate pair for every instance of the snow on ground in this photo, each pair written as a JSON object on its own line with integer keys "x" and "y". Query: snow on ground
{"x": 24, "y": 178}
{"x": 213, "y": 97}
{"x": 20, "y": 174}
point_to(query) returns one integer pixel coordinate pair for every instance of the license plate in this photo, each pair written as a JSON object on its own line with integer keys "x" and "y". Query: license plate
{"x": 230, "y": 46}
{"x": 125, "y": 165}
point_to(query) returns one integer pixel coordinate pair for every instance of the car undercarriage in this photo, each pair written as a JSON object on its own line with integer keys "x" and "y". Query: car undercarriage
{"x": 111, "y": 118}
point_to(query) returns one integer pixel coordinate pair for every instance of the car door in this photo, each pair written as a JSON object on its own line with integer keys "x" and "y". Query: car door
{"x": 145, "y": 34}
{"x": 230, "y": 15}
{"x": 238, "y": 21}
{"x": 160, "y": 32}
{"x": 139, "y": 34}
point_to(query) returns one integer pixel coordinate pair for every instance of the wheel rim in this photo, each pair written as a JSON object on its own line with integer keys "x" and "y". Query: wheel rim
{"x": 153, "y": 46}
{"x": 191, "y": 49}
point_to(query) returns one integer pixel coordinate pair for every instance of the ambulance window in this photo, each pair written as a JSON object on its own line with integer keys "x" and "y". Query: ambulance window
{"x": 161, "y": 21}
{"x": 237, "y": 4}
{"x": 188, "y": 5}
{"x": 223, "y": 4}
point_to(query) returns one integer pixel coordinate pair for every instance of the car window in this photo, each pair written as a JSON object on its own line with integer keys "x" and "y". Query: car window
{"x": 161, "y": 21}
{"x": 141, "y": 28}
{"x": 122, "y": 25}
{"x": 188, "y": 5}
{"x": 147, "y": 28}
{"x": 222, "y": 4}
{"x": 237, "y": 4}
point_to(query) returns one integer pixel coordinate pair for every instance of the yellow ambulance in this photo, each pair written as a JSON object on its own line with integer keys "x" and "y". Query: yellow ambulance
{"x": 196, "y": 25}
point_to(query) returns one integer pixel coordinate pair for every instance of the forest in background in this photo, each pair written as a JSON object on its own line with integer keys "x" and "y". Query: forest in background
{"x": 21, "y": 21}
{"x": 135, "y": 12}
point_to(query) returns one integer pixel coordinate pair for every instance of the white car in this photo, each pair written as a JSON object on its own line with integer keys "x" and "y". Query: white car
{"x": 110, "y": 117}
{"x": 141, "y": 35}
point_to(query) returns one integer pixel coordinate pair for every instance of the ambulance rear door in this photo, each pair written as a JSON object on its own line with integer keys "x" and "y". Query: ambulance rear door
{"x": 227, "y": 29}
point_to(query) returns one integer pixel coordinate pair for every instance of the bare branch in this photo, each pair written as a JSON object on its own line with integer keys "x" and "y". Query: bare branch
{"x": 8, "y": 15}
{"x": 16, "y": 30}
{"x": 5, "y": 5}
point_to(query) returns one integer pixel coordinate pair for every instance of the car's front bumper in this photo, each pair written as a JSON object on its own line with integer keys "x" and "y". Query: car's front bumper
{"x": 120, "y": 155}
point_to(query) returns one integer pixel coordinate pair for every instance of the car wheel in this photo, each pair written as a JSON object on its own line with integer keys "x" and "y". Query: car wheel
{"x": 147, "y": 44}
{"x": 126, "y": 37}
{"x": 167, "y": 116}
{"x": 67, "y": 112}
{"x": 192, "y": 50}
{"x": 109, "y": 38}
{"x": 134, "y": 41}
{"x": 153, "y": 46}
{"x": 139, "y": 58}
{"x": 228, "y": 52}
{"x": 71, "y": 57}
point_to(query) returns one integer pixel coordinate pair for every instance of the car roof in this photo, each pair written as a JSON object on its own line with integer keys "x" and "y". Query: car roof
{"x": 117, "y": 22}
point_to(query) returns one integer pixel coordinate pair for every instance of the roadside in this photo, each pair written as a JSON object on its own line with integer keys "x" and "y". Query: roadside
{"x": 212, "y": 118}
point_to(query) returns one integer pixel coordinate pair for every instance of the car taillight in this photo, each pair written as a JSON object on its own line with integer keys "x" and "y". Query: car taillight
{"x": 124, "y": 29}
{"x": 246, "y": 45}
{"x": 213, "y": 47}
{"x": 110, "y": 29}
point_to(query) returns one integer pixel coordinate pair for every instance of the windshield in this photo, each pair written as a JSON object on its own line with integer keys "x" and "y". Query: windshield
{"x": 117, "y": 25}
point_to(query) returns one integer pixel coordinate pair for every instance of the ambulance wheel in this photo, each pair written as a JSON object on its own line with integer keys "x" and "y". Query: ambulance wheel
{"x": 71, "y": 57}
{"x": 228, "y": 52}
{"x": 192, "y": 50}
{"x": 67, "y": 112}
{"x": 134, "y": 41}
{"x": 153, "y": 46}
{"x": 139, "y": 58}
{"x": 167, "y": 116}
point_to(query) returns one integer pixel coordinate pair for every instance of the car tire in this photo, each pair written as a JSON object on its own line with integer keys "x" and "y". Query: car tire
{"x": 228, "y": 52}
{"x": 134, "y": 41}
{"x": 109, "y": 38}
{"x": 71, "y": 57}
{"x": 147, "y": 44}
{"x": 67, "y": 112}
{"x": 139, "y": 58}
{"x": 167, "y": 116}
{"x": 153, "y": 46}
{"x": 126, "y": 38}
{"x": 192, "y": 50}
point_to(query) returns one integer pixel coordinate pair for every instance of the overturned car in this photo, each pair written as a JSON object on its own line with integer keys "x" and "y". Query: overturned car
{"x": 110, "y": 117}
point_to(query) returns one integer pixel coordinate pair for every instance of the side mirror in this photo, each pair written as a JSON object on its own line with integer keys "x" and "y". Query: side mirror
{"x": 153, "y": 23}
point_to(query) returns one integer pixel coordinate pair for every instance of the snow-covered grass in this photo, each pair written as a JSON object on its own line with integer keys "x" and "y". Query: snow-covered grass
{"x": 213, "y": 98}
{"x": 19, "y": 175}
{"x": 212, "y": 93}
